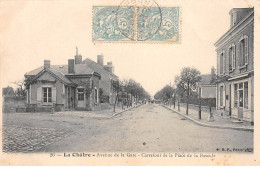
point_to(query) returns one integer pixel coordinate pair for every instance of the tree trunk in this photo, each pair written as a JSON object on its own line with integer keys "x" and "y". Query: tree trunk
{"x": 188, "y": 93}
{"x": 127, "y": 100}
{"x": 199, "y": 103}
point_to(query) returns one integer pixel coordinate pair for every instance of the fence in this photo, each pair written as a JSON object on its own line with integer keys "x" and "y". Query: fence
{"x": 204, "y": 101}
{"x": 196, "y": 107}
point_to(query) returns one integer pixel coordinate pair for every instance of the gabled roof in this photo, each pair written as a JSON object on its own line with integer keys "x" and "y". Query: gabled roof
{"x": 8, "y": 91}
{"x": 99, "y": 69}
{"x": 106, "y": 76}
{"x": 61, "y": 76}
{"x": 56, "y": 74}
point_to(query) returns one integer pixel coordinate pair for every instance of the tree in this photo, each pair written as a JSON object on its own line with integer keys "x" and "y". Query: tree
{"x": 165, "y": 93}
{"x": 213, "y": 76}
{"x": 21, "y": 89}
{"x": 134, "y": 89}
{"x": 126, "y": 87}
{"x": 188, "y": 82}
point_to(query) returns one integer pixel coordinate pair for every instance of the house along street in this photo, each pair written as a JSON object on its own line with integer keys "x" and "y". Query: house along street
{"x": 148, "y": 128}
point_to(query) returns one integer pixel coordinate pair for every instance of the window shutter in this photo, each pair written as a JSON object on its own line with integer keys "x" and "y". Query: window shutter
{"x": 234, "y": 57}
{"x": 239, "y": 53}
{"x": 54, "y": 95}
{"x": 224, "y": 63}
{"x": 224, "y": 95}
{"x": 39, "y": 95}
{"x": 246, "y": 50}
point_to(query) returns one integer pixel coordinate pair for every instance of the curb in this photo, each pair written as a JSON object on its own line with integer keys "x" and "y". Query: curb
{"x": 211, "y": 126}
{"x": 115, "y": 114}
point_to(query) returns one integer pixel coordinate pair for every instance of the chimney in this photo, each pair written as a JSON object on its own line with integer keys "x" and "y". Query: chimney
{"x": 71, "y": 66}
{"x": 109, "y": 67}
{"x": 237, "y": 14}
{"x": 100, "y": 60}
{"x": 47, "y": 64}
{"x": 78, "y": 59}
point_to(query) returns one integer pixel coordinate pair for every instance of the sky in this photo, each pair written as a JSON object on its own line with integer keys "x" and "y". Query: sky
{"x": 51, "y": 29}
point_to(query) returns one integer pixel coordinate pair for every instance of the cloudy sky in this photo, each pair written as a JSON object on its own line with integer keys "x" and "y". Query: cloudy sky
{"x": 45, "y": 29}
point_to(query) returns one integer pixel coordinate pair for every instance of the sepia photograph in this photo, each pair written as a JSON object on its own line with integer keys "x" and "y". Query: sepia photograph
{"x": 129, "y": 82}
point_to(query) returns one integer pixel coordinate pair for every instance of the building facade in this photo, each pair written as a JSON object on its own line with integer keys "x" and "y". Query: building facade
{"x": 107, "y": 77}
{"x": 235, "y": 66}
{"x": 63, "y": 87}
{"x": 207, "y": 86}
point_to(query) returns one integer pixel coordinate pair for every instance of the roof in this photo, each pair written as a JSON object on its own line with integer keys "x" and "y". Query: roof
{"x": 8, "y": 91}
{"x": 61, "y": 76}
{"x": 56, "y": 74}
{"x": 60, "y": 71}
{"x": 79, "y": 69}
{"x": 228, "y": 33}
{"x": 205, "y": 79}
{"x": 88, "y": 66}
{"x": 106, "y": 76}
{"x": 98, "y": 68}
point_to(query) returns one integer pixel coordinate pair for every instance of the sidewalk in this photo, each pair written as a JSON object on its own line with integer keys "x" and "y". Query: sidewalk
{"x": 106, "y": 113}
{"x": 223, "y": 122}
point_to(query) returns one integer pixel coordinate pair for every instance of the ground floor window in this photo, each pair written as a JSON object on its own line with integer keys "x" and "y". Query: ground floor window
{"x": 241, "y": 95}
{"x": 80, "y": 94}
{"x": 47, "y": 94}
{"x": 241, "y": 99}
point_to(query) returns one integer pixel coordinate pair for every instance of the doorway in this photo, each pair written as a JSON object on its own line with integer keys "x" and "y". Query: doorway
{"x": 81, "y": 97}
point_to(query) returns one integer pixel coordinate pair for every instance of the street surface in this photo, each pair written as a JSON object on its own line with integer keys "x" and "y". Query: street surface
{"x": 148, "y": 128}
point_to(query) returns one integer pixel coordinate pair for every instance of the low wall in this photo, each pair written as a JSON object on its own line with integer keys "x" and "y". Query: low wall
{"x": 34, "y": 109}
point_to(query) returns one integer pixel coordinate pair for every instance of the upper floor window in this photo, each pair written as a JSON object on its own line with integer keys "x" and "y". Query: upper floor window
{"x": 222, "y": 62}
{"x": 232, "y": 57}
{"x": 243, "y": 47}
{"x": 47, "y": 94}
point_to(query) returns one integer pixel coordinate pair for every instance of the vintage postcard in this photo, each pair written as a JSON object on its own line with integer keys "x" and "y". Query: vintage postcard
{"x": 129, "y": 82}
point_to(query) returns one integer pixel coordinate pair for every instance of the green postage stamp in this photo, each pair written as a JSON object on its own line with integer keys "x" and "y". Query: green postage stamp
{"x": 136, "y": 24}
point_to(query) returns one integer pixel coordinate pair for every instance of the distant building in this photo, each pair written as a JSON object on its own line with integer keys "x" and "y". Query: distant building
{"x": 8, "y": 92}
{"x": 207, "y": 85}
{"x": 235, "y": 66}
